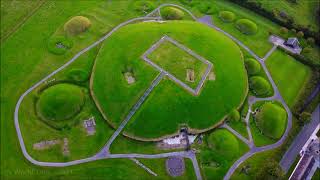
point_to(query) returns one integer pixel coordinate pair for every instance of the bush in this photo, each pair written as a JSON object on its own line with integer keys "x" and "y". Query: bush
{"x": 143, "y": 6}
{"x": 78, "y": 75}
{"x": 226, "y": 16}
{"x": 283, "y": 30}
{"x": 206, "y": 8}
{"x": 253, "y": 67}
{"x": 259, "y": 86}
{"x": 172, "y": 13}
{"x": 294, "y": 31}
{"x": 306, "y": 50}
{"x": 234, "y": 115}
{"x": 271, "y": 120}
{"x": 77, "y": 25}
{"x": 300, "y": 34}
{"x": 311, "y": 41}
{"x": 246, "y": 26}
{"x": 304, "y": 118}
{"x": 59, "y": 45}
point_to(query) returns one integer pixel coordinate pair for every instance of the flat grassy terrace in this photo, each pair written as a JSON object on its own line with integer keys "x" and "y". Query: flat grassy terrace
{"x": 168, "y": 102}
{"x": 289, "y": 75}
{"x": 177, "y": 62}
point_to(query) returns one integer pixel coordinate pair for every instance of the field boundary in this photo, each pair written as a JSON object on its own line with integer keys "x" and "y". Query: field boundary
{"x": 17, "y": 26}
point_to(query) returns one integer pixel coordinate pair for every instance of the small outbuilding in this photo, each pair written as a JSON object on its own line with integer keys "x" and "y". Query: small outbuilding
{"x": 89, "y": 125}
{"x": 292, "y": 42}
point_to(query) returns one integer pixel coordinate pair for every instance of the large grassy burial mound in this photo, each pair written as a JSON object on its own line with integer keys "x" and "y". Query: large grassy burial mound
{"x": 271, "y": 120}
{"x": 60, "y": 102}
{"x": 169, "y": 105}
{"x": 77, "y": 25}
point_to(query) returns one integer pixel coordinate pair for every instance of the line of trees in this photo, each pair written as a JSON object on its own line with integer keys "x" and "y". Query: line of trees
{"x": 280, "y": 18}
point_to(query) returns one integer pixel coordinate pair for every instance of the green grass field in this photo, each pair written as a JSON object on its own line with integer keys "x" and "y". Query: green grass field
{"x": 15, "y": 13}
{"x": 26, "y": 59}
{"x": 177, "y": 61}
{"x": 289, "y": 75}
{"x": 303, "y": 12}
{"x": 183, "y": 108}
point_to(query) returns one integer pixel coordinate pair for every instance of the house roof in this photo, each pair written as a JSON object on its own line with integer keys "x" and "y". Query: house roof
{"x": 292, "y": 40}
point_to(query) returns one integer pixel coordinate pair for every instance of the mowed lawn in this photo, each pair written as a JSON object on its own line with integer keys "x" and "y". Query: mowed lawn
{"x": 289, "y": 75}
{"x": 177, "y": 61}
{"x": 169, "y": 105}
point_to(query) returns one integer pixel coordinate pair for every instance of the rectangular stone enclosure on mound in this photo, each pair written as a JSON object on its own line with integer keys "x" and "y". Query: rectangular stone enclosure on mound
{"x": 179, "y": 63}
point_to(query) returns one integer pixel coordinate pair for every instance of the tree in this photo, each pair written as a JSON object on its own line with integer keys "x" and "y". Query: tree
{"x": 271, "y": 170}
{"x": 305, "y": 117}
{"x": 283, "y": 30}
{"x": 311, "y": 41}
{"x": 293, "y": 30}
{"x": 300, "y": 34}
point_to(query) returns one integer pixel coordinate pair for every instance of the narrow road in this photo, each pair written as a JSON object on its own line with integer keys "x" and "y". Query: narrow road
{"x": 297, "y": 144}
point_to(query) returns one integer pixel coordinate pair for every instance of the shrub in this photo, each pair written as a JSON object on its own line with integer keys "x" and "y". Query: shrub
{"x": 311, "y": 41}
{"x": 234, "y": 115}
{"x": 78, "y": 75}
{"x": 294, "y": 31}
{"x": 206, "y": 8}
{"x": 304, "y": 118}
{"x": 259, "y": 86}
{"x": 246, "y": 26}
{"x": 226, "y": 16}
{"x": 271, "y": 120}
{"x": 77, "y": 25}
{"x": 306, "y": 50}
{"x": 300, "y": 34}
{"x": 59, "y": 45}
{"x": 283, "y": 30}
{"x": 143, "y": 6}
{"x": 253, "y": 67}
{"x": 172, "y": 13}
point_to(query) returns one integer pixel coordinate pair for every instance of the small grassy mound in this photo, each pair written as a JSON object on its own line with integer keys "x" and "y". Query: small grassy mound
{"x": 60, "y": 102}
{"x": 224, "y": 143}
{"x": 246, "y": 26}
{"x": 77, "y": 25}
{"x": 206, "y": 8}
{"x": 143, "y": 6}
{"x": 226, "y": 16}
{"x": 78, "y": 75}
{"x": 259, "y": 86}
{"x": 253, "y": 67}
{"x": 172, "y": 13}
{"x": 272, "y": 120}
{"x": 59, "y": 45}
{"x": 234, "y": 115}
